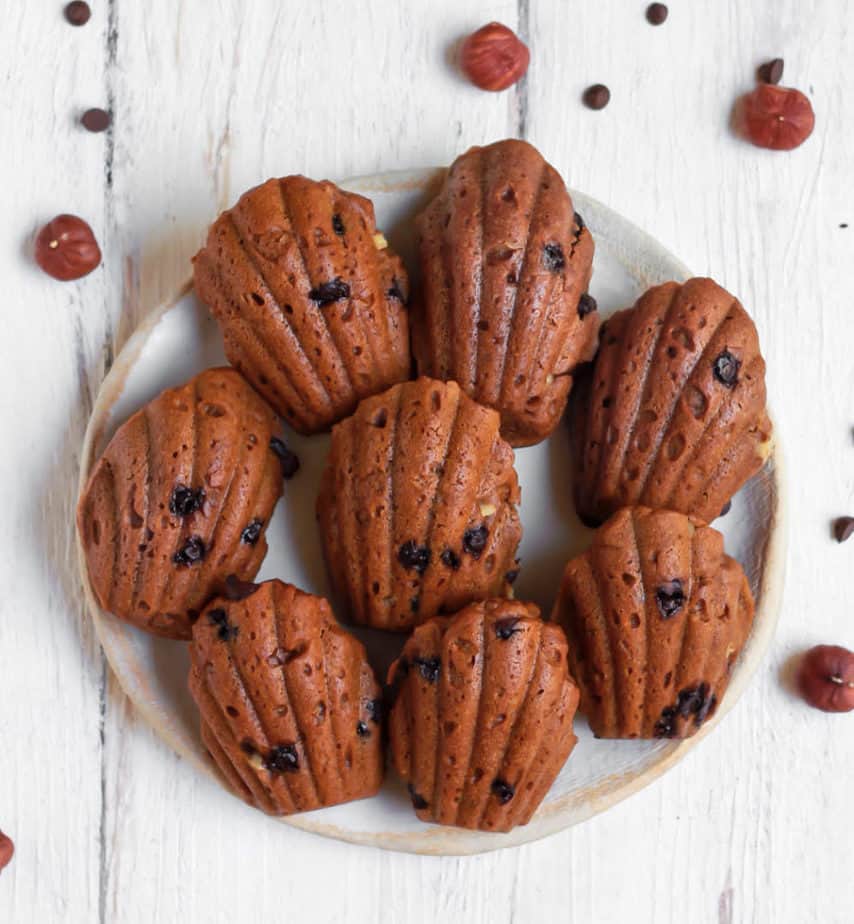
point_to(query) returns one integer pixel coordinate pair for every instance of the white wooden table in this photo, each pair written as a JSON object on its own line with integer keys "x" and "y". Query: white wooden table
{"x": 210, "y": 97}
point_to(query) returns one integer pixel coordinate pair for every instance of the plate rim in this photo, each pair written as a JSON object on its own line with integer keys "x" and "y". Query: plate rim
{"x": 438, "y": 840}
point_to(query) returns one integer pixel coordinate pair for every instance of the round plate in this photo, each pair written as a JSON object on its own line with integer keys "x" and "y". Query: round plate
{"x": 179, "y": 340}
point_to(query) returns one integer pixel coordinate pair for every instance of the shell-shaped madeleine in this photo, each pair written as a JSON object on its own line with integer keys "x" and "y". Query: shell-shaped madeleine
{"x": 179, "y": 501}
{"x": 672, "y": 413}
{"x": 290, "y": 707}
{"x": 504, "y": 309}
{"x": 656, "y": 614}
{"x": 310, "y": 299}
{"x": 481, "y": 716}
{"x": 417, "y": 505}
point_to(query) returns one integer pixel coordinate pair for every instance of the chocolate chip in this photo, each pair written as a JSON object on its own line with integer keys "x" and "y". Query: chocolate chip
{"x": 450, "y": 559}
{"x": 282, "y": 759}
{"x": 475, "y": 539}
{"x": 77, "y": 13}
{"x": 418, "y": 802}
{"x": 553, "y": 258}
{"x": 192, "y": 551}
{"x": 656, "y": 13}
{"x": 338, "y": 225}
{"x": 414, "y": 557}
{"x": 690, "y": 700}
{"x": 235, "y": 589}
{"x": 771, "y": 71}
{"x": 665, "y": 727}
{"x": 96, "y": 120}
{"x": 579, "y": 221}
{"x": 362, "y": 730}
{"x": 586, "y": 305}
{"x": 185, "y": 501}
{"x": 697, "y": 701}
{"x": 328, "y": 292}
{"x": 502, "y": 790}
{"x": 252, "y": 532}
{"x": 395, "y": 291}
{"x": 725, "y": 368}
{"x": 725, "y": 509}
{"x": 226, "y": 632}
{"x": 596, "y": 97}
{"x": 414, "y": 604}
{"x": 670, "y": 598}
{"x": 843, "y": 528}
{"x": 375, "y": 710}
{"x": 429, "y": 668}
{"x": 708, "y": 707}
{"x": 289, "y": 460}
{"x": 511, "y": 575}
{"x": 506, "y": 627}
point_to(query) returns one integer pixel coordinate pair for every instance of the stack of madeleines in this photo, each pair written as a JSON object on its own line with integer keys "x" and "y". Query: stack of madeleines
{"x": 426, "y": 394}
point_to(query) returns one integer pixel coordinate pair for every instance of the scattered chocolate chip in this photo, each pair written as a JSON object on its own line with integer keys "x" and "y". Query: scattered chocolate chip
{"x": 725, "y": 509}
{"x": 586, "y": 305}
{"x": 375, "y": 710}
{"x": 289, "y": 460}
{"x": 418, "y": 802}
{"x": 506, "y": 627}
{"x": 362, "y": 730}
{"x": 395, "y": 291}
{"x": 843, "y": 224}
{"x": 96, "y": 120}
{"x": 725, "y": 369}
{"x": 450, "y": 559}
{"x": 511, "y": 575}
{"x": 328, "y": 292}
{"x": 185, "y": 501}
{"x": 843, "y": 528}
{"x": 502, "y": 790}
{"x": 414, "y": 557}
{"x": 7, "y": 850}
{"x": 226, "y": 632}
{"x": 475, "y": 539}
{"x": 191, "y": 552}
{"x": 429, "y": 668}
{"x": 77, "y": 13}
{"x": 338, "y": 225}
{"x": 282, "y": 759}
{"x": 670, "y": 598}
{"x": 252, "y": 532}
{"x": 596, "y": 97}
{"x": 770, "y": 71}
{"x": 656, "y": 13}
{"x": 235, "y": 589}
{"x": 553, "y": 258}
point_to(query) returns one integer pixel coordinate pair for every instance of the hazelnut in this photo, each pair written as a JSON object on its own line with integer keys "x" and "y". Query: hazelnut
{"x": 826, "y": 678}
{"x": 487, "y": 509}
{"x": 7, "y": 849}
{"x": 494, "y": 58}
{"x": 66, "y": 248}
{"x": 379, "y": 241}
{"x": 779, "y": 118}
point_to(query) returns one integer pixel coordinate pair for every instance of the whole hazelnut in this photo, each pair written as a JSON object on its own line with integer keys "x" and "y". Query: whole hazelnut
{"x": 494, "y": 58}
{"x": 826, "y": 678}
{"x": 66, "y": 248}
{"x": 7, "y": 849}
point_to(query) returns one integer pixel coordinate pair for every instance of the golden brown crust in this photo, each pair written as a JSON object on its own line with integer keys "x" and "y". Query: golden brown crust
{"x": 310, "y": 298}
{"x": 163, "y": 515}
{"x": 505, "y": 262}
{"x": 481, "y": 720}
{"x": 289, "y": 705}
{"x": 417, "y": 505}
{"x": 654, "y": 423}
{"x": 656, "y": 614}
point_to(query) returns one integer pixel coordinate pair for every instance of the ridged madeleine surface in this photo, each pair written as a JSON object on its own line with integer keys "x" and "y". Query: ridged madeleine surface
{"x": 505, "y": 265}
{"x": 481, "y": 716}
{"x": 290, "y": 707}
{"x": 310, "y": 298}
{"x": 672, "y": 413}
{"x": 656, "y": 614}
{"x": 417, "y": 505}
{"x": 179, "y": 500}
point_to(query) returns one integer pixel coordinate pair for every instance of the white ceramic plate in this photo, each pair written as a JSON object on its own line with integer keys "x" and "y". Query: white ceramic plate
{"x": 179, "y": 340}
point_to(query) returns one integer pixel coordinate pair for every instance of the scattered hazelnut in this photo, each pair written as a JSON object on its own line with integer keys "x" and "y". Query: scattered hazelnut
{"x": 66, "y": 248}
{"x": 7, "y": 849}
{"x": 494, "y": 58}
{"x": 826, "y": 678}
{"x": 779, "y": 118}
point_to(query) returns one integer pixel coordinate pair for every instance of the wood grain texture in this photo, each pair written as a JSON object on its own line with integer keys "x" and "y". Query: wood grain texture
{"x": 212, "y": 97}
